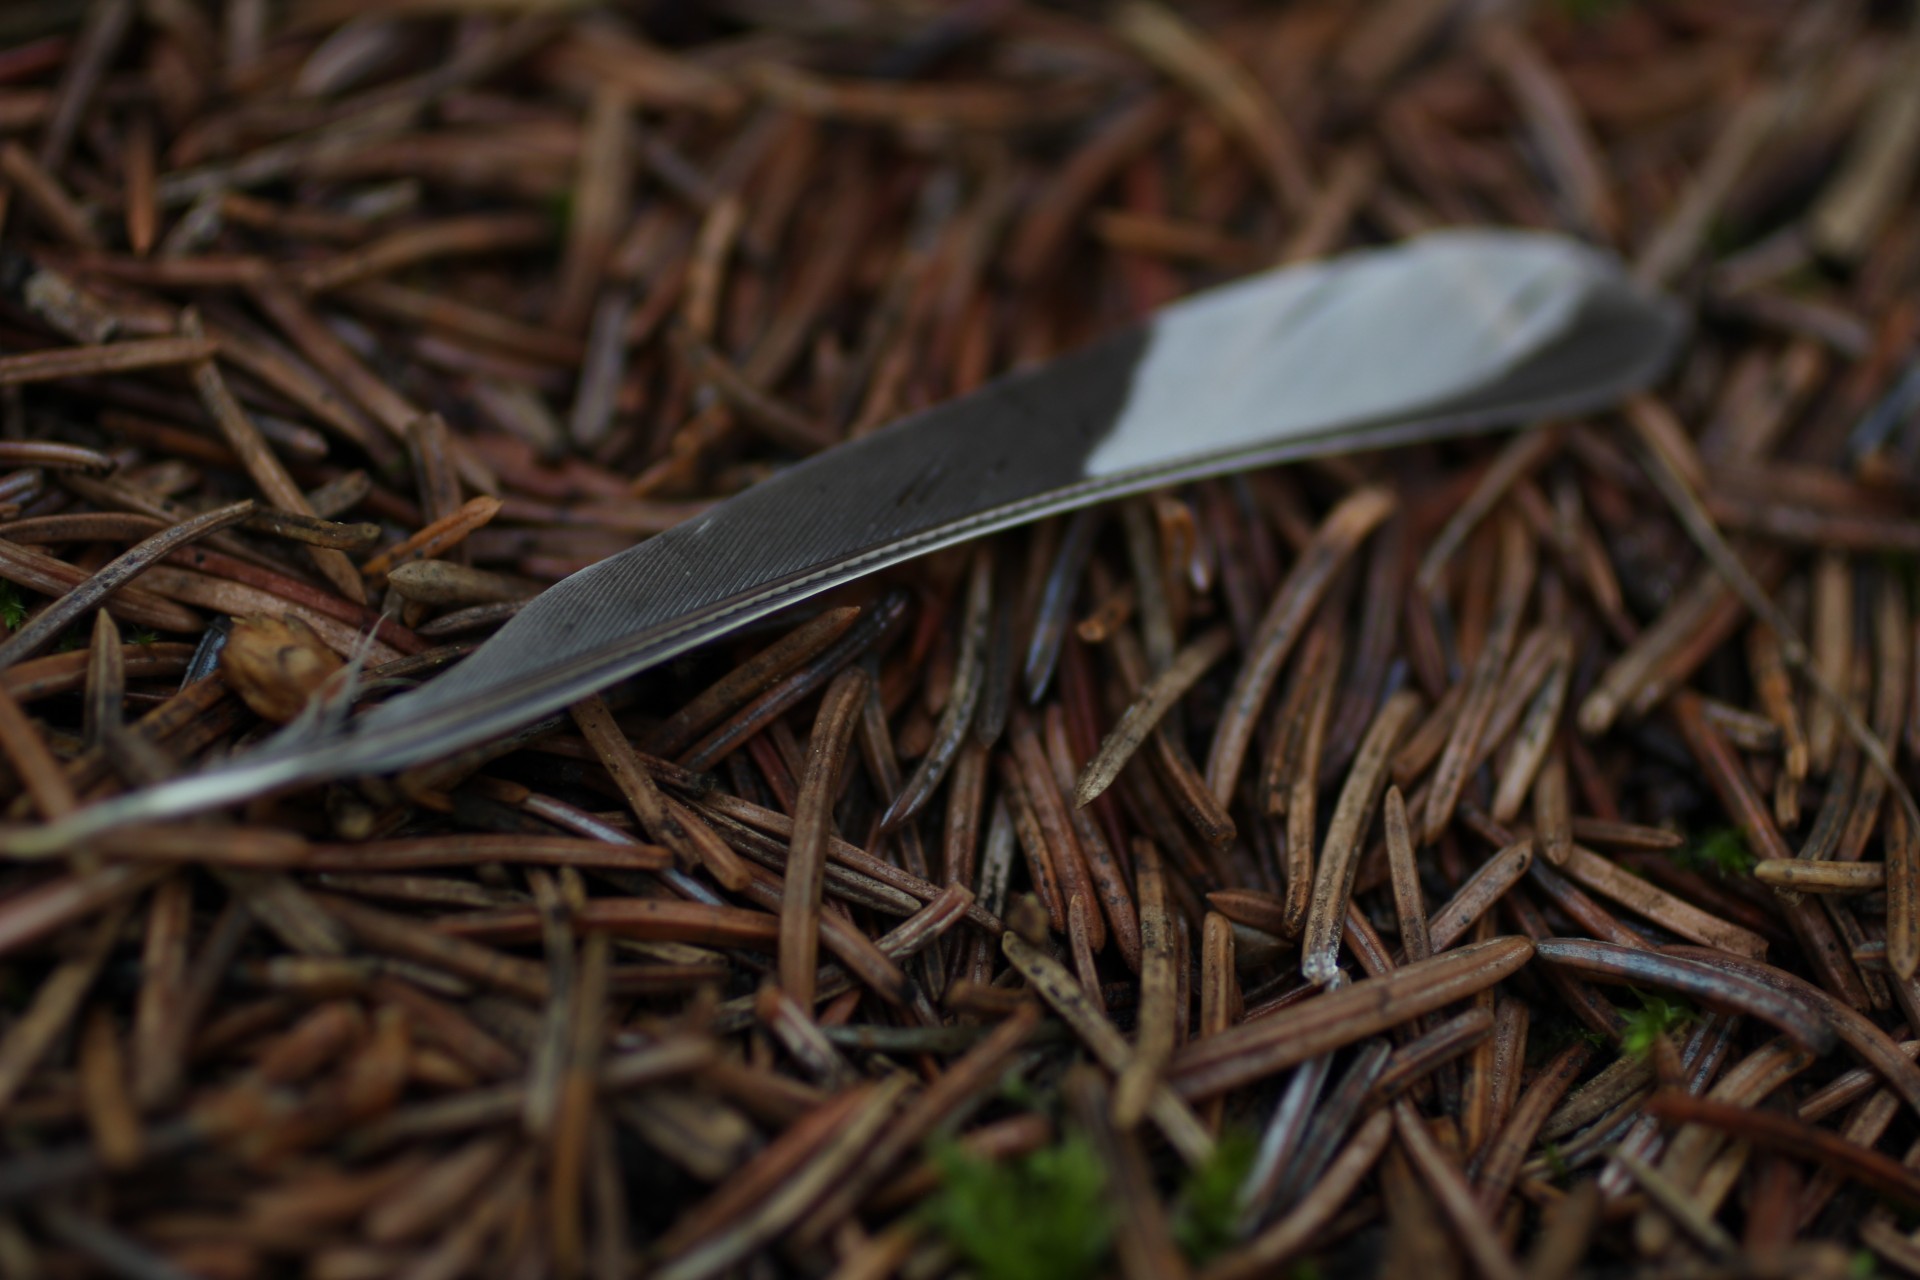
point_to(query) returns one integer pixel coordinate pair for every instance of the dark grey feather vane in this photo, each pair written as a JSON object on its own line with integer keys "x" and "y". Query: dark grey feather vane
{"x": 1448, "y": 333}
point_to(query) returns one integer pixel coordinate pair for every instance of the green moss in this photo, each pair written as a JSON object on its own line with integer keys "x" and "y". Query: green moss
{"x": 1041, "y": 1217}
{"x": 1723, "y": 852}
{"x": 1209, "y": 1203}
{"x": 1655, "y": 1017}
{"x": 1019, "y": 1091}
{"x": 13, "y": 610}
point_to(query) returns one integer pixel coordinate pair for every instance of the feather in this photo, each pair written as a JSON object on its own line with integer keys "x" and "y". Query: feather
{"x": 1450, "y": 332}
